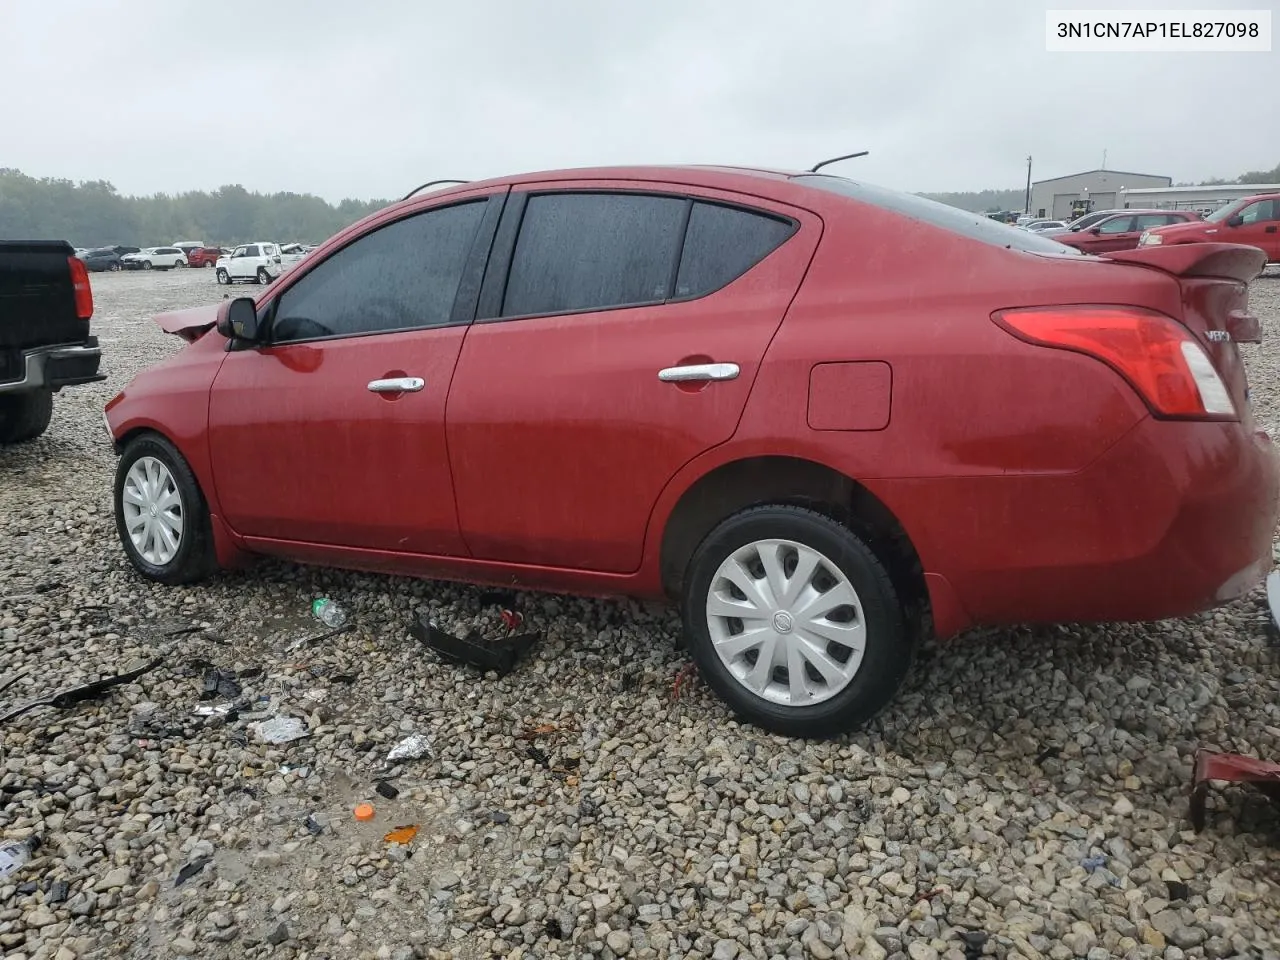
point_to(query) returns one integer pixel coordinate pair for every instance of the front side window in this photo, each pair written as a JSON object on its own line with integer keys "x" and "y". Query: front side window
{"x": 1116, "y": 225}
{"x": 1257, "y": 212}
{"x": 1156, "y": 220}
{"x": 592, "y": 251}
{"x": 402, "y": 276}
{"x": 723, "y": 243}
{"x": 252, "y": 251}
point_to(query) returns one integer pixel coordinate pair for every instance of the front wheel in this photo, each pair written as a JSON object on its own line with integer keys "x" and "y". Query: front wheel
{"x": 223, "y": 276}
{"x": 161, "y": 515}
{"x": 794, "y": 622}
{"x": 146, "y": 264}
{"x": 24, "y": 416}
{"x": 114, "y": 268}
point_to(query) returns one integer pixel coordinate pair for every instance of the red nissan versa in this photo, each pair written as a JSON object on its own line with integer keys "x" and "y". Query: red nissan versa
{"x": 823, "y": 416}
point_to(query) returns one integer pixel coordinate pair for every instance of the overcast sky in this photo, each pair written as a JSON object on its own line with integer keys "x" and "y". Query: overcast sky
{"x": 368, "y": 98}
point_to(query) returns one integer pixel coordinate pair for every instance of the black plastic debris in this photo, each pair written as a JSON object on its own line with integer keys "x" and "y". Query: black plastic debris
{"x": 500, "y": 655}
{"x": 499, "y": 598}
{"x": 220, "y": 683}
{"x": 87, "y": 691}
{"x": 974, "y": 942}
{"x": 1177, "y": 890}
{"x": 58, "y": 892}
{"x": 314, "y": 826}
{"x": 28, "y": 888}
{"x": 538, "y": 756}
{"x": 553, "y": 929}
{"x": 386, "y": 789}
{"x": 499, "y": 816}
{"x": 343, "y": 678}
{"x": 189, "y": 870}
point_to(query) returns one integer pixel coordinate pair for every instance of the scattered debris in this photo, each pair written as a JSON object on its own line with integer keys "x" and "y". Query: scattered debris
{"x": 314, "y": 826}
{"x": 214, "y": 710}
{"x": 1048, "y": 753}
{"x": 686, "y": 673}
{"x": 87, "y": 691}
{"x": 58, "y": 892}
{"x": 403, "y": 834}
{"x": 975, "y": 941}
{"x": 329, "y": 612}
{"x": 500, "y": 598}
{"x": 1177, "y": 890}
{"x": 386, "y": 789}
{"x": 189, "y": 870}
{"x": 1233, "y": 767}
{"x": 279, "y": 729}
{"x": 343, "y": 678}
{"x": 182, "y": 631}
{"x": 413, "y": 747}
{"x": 1093, "y": 863}
{"x": 500, "y": 655}
{"x": 220, "y": 683}
{"x": 538, "y": 756}
{"x": 364, "y": 811}
{"x": 327, "y": 635}
{"x": 500, "y": 816}
{"x": 14, "y": 856}
{"x": 553, "y": 929}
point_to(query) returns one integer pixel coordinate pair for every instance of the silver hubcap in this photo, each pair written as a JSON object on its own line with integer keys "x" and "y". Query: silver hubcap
{"x": 786, "y": 622}
{"x": 152, "y": 510}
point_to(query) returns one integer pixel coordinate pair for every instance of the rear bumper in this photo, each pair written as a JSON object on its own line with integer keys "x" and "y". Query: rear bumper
{"x": 52, "y": 367}
{"x": 1176, "y": 518}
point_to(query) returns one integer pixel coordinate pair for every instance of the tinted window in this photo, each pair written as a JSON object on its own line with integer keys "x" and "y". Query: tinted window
{"x": 1116, "y": 225}
{"x": 971, "y": 225}
{"x": 402, "y": 276}
{"x": 1156, "y": 220}
{"x": 251, "y": 251}
{"x": 587, "y": 251}
{"x": 722, "y": 243}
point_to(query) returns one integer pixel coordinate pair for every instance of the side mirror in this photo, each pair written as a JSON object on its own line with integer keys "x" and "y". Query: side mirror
{"x": 1235, "y": 220}
{"x": 240, "y": 322}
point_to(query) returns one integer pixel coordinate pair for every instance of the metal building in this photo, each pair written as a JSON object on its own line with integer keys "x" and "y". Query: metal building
{"x": 1204, "y": 199}
{"x": 1061, "y": 197}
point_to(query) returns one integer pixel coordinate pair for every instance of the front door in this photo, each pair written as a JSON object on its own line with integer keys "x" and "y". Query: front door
{"x": 623, "y": 345}
{"x": 1258, "y": 228}
{"x": 333, "y": 431}
{"x": 1115, "y": 233}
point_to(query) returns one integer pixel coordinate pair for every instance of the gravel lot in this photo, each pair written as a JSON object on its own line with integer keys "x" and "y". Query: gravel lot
{"x": 1029, "y": 783}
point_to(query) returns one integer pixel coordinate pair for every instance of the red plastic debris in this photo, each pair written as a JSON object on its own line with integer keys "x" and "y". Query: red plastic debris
{"x": 513, "y": 619}
{"x": 1233, "y": 767}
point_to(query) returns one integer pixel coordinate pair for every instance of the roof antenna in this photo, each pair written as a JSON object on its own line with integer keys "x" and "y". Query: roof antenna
{"x": 429, "y": 183}
{"x": 847, "y": 156}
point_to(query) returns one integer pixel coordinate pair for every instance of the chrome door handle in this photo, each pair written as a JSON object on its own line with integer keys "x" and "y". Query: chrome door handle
{"x": 699, "y": 371}
{"x": 397, "y": 385}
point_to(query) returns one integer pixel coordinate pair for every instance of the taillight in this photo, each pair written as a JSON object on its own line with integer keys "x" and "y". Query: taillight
{"x": 80, "y": 283}
{"x": 1156, "y": 354}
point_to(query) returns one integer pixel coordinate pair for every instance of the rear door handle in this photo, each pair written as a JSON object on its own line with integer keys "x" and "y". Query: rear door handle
{"x": 699, "y": 371}
{"x": 397, "y": 385}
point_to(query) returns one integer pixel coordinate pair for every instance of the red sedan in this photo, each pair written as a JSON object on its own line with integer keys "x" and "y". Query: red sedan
{"x": 737, "y": 389}
{"x": 1121, "y": 231}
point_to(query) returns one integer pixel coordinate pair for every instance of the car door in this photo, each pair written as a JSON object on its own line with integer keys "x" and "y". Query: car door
{"x": 235, "y": 264}
{"x": 1114, "y": 233}
{"x": 332, "y": 432}
{"x": 1258, "y": 222}
{"x": 618, "y": 336}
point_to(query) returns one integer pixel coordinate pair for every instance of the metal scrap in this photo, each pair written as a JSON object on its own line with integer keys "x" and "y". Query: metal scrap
{"x": 1233, "y": 767}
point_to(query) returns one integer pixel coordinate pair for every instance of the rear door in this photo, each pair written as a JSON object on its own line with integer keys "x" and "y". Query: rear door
{"x": 619, "y": 332}
{"x": 333, "y": 432}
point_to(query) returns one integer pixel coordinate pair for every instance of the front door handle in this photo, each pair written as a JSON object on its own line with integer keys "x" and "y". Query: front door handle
{"x": 699, "y": 371}
{"x": 1271, "y": 229}
{"x": 397, "y": 385}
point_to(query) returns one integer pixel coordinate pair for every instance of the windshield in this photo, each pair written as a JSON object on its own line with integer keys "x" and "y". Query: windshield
{"x": 975, "y": 226}
{"x": 1225, "y": 211}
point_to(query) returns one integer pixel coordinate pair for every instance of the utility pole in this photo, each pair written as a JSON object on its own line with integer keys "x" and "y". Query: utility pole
{"x": 1104, "y": 158}
{"x": 1026, "y": 208}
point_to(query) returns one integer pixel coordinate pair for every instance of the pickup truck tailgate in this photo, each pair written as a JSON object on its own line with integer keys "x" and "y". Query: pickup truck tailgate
{"x": 37, "y": 298}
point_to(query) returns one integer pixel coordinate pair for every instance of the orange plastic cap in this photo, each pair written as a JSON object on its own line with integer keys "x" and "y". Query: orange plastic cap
{"x": 364, "y": 811}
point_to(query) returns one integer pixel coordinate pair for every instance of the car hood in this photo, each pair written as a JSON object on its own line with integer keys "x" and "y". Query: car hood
{"x": 189, "y": 324}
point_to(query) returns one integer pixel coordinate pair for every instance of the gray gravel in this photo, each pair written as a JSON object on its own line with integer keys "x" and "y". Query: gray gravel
{"x": 1029, "y": 783}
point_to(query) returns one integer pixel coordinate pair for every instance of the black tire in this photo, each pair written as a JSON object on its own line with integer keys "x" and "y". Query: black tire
{"x": 223, "y": 277}
{"x": 889, "y": 645}
{"x": 146, "y": 264}
{"x": 24, "y": 416}
{"x": 195, "y": 559}
{"x": 263, "y": 277}
{"x": 115, "y": 268}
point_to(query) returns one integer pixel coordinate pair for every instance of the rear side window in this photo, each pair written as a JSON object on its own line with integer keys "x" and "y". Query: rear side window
{"x": 974, "y": 226}
{"x": 723, "y": 243}
{"x": 399, "y": 277}
{"x": 591, "y": 251}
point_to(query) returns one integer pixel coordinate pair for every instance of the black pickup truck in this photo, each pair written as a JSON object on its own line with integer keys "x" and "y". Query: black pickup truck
{"x": 45, "y": 306}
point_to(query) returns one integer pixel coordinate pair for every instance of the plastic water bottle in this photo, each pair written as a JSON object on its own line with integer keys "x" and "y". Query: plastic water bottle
{"x": 328, "y": 612}
{"x": 14, "y": 856}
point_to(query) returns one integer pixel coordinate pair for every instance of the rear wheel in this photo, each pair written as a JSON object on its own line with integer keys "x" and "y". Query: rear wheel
{"x": 114, "y": 268}
{"x": 223, "y": 276}
{"x": 263, "y": 276}
{"x": 794, "y": 622}
{"x": 161, "y": 515}
{"x": 24, "y": 416}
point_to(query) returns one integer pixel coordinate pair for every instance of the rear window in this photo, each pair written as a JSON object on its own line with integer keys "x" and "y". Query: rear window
{"x": 974, "y": 226}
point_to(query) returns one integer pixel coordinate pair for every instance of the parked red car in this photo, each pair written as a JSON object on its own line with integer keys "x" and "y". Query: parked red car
{"x": 204, "y": 256}
{"x": 1122, "y": 230}
{"x": 734, "y": 388}
{"x": 1254, "y": 221}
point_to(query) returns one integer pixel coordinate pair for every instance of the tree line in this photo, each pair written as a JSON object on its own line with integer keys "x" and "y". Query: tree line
{"x": 92, "y": 213}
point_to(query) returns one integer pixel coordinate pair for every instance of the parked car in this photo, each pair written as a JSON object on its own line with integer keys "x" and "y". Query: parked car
{"x": 46, "y": 304}
{"x": 154, "y": 258}
{"x": 1083, "y": 223}
{"x": 259, "y": 262}
{"x": 715, "y": 391}
{"x": 1254, "y": 221}
{"x": 101, "y": 259}
{"x": 204, "y": 256}
{"x": 186, "y": 246}
{"x": 1121, "y": 231}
